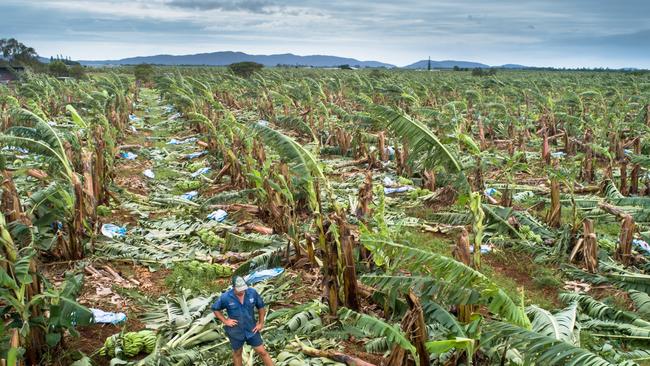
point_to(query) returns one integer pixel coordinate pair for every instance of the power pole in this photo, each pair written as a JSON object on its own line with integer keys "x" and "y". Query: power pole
{"x": 429, "y": 65}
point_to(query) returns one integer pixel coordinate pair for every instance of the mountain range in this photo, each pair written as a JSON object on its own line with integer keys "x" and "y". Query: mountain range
{"x": 228, "y": 57}
{"x": 450, "y": 64}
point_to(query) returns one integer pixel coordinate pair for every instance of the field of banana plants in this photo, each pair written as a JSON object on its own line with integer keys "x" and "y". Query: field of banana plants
{"x": 420, "y": 218}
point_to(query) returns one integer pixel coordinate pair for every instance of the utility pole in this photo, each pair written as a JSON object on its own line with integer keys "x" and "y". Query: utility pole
{"x": 429, "y": 65}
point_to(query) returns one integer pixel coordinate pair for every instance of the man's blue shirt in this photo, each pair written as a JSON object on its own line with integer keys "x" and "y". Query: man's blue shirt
{"x": 244, "y": 313}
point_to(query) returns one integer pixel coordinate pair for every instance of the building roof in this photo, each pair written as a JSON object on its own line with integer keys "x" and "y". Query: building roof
{"x": 10, "y": 68}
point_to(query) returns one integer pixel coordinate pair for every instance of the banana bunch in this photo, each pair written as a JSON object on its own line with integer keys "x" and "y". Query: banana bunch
{"x": 149, "y": 340}
{"x": 133, "y": 344}
{"x": 207, "y": 269}
{"x": 529, "y": 234}
{"x": 210, "y": 238}
{"x": 129, "y": 344}
{"x": 195, "y": 166}
{"x": 112, "y": 345}
{"x": 188, "y": 185}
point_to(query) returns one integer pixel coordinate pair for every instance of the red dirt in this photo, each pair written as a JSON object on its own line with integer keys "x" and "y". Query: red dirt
{"x": 356, "y": 349}
{"x": 131, "y": 178}
{"x": 92, "y": 337}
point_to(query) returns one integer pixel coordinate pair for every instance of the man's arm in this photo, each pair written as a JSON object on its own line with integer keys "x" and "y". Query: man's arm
{"x": 227, "y": 322}
{"x": 261, "y": 312}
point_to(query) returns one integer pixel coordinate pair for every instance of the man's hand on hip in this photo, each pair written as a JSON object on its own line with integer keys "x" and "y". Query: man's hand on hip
{"x": 230, "y": 322}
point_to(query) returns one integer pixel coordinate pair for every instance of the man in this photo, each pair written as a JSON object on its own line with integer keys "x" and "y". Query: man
{"x": 240, "y": 326}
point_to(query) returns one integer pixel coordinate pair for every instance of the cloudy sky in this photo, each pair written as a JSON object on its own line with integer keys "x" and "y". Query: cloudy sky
{"x": 571, "y": 33}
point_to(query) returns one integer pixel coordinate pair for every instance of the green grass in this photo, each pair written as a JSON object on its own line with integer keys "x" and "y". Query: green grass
{"x": 607, "y": 228}
{"x": 426, "y": 241}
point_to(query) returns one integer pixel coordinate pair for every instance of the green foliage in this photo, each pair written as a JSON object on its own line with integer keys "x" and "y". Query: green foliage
{"x": 455, "y": 273}
{"x": 17, "y": 52}
{"x": 477, "y": 71}
{"x": 245, "y": 69}
{"x": 434, "y": 117}
{"x": 426, "y": 150}
{"x": 538, "y": 348}
{"x": 144, "y": 73}
{"x": 602, "y": 311}
{"x": 378, "y": 328}
{"x": 77, "y": 71}
{"x": 641, "y": 301}
{"x": 561, "y": 326}
{"x": 58, "y": 68}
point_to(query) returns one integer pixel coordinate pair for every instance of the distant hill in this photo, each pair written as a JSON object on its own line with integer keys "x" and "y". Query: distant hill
{"x": 228, "y": 57}
{"x": 447, "y": 64}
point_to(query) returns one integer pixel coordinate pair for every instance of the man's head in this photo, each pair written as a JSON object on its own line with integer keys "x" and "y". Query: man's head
{"x": 239, "y": 285}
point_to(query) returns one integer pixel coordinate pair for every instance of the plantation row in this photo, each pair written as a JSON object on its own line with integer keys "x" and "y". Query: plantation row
{"x": 392, "y": 199}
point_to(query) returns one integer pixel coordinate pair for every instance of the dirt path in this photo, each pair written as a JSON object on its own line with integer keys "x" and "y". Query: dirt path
{"x": 105, "y": 292}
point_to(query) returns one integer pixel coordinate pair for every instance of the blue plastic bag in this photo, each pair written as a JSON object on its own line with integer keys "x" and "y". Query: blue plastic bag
{"x": 390, "y": 151}
{"x": 195, "y": 155}
{"x": 128, "y": 155}
{"x": 388, "y": 182}
{"x": 104, "y": 317}
{"x": 180, "y": 142}
{"x": 190, "y": 195}
{"x": 641, "y": 246}
{"x": 484, "y": 249}
{"x": 200, "y": 171}
{"x": 14, "y": 148}
{"x": 490, "y": 192}
{"x": 218, "y": 215}
{"x": 112, "y": 231}
{"x": 263, "y": 275}
{"x": 388, "y": 190}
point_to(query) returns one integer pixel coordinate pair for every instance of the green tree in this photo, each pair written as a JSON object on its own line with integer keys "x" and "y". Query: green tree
{"x": 144, "y": 73}
{"x": 15, "y": 51}
{"x": 245, "y": 69}
{"x": 77, "y": 71}
{"x": 477, "y": 71}
{"x": 58, "y": 68}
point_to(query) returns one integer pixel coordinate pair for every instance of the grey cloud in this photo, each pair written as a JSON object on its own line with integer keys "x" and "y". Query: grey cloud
{"x": 255, "y": 6}
{"x": 537, "y": 32}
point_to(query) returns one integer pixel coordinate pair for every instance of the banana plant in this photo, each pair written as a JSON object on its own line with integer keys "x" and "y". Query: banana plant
{"x": 39, "y": 316}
